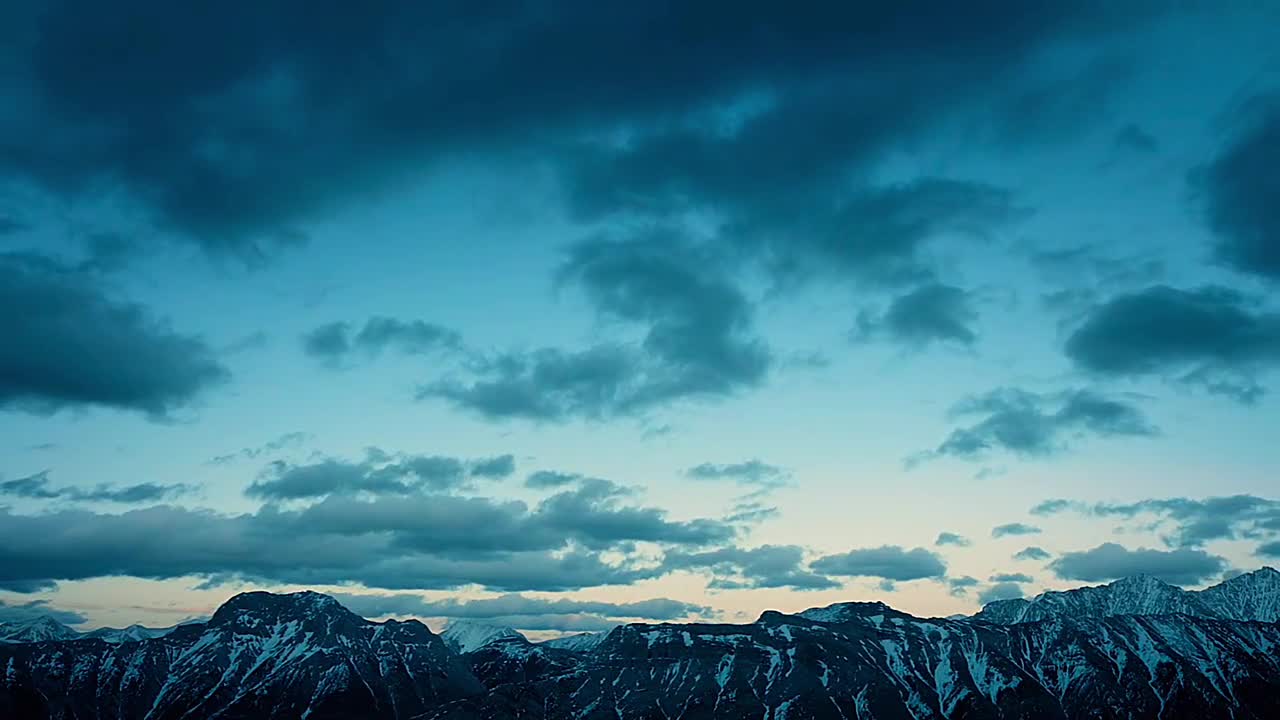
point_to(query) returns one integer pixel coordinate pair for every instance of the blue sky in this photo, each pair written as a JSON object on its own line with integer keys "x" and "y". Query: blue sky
{"x": 770, "y": 300}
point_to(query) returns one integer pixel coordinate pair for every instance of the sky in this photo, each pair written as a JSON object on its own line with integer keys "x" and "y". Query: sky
{"x": 561, "y": 315}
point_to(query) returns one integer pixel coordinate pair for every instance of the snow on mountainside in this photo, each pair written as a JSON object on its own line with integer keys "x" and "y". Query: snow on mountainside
{"x": 40, "y": 629}
{"x": 848, "y": 611}
{"x": 873, "y": 665}
{"x": 581, "y": 642}
{"x": 464, "y": 636}
{"x": 305, "y": 656}
{"x": 44, "y": 629}
{"x": 133, "y": 633}
{"x": 507, "y": 660}
{"x": 260, "y": 655}
{"x": 1251, "y": 596}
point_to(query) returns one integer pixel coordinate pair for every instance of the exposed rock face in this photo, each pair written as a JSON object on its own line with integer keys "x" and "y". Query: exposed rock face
{"x": 1252, "y": 596}
{"x": 260, "y": 656}
{"x": 1133, "y": 649}
{"x": 463, "y": 636}
{"x": 861, "y": 662}
{"x": 581, "y": 642}
{"x": 41, "y": 629}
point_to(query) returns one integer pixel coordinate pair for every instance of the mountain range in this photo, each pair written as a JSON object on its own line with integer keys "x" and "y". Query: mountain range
{"x": 1251, "y": 596}
{"x": 1136, "y": 648}
{"x": 44, "y": 628}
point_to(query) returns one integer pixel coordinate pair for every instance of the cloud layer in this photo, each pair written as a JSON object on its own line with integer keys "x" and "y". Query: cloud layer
{"x": 424, "y": 541}
{"x": 69, "y": 343}
{"x": 523, "y": 611}
{"x": 1036, "y": 425}
{"x": 1110, "y": 561}
{"x": 1209, "y": 336}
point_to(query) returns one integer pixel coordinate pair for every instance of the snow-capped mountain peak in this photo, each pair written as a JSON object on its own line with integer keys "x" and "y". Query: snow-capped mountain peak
{"x": 37, "y": 629}
{"x": 290, "y": 656}
{"x": 580, "y": 642}
{"x": 464, "y": 636}
{"x": 845, "y": 612}
{"x": 133, "y": 633}
{"x": 1250, "y": 596}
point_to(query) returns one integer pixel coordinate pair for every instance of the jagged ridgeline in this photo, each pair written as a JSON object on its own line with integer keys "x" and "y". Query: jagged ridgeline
{"x": 1136, "y": 648}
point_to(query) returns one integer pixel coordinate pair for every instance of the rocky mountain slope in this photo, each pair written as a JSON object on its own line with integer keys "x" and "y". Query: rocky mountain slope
{"x": 260, "y": 656}
{"x": 861, "y": 662}
{"x": 304, "y": 656}
{"x": 580, "y": 642}
{"x": 43, "y": 629}
{"x": 40, "y": 629}
{"x": 463, "y": 636}
{"x": 133, "y": 633}
{"x": 1251, "y": 596}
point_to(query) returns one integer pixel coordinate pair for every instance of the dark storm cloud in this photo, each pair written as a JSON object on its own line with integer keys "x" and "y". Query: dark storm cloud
{"x": 516, "y": 605}
{"x": 751, "y": 511}
{"x": 38, "y": 487}
{"x": 1271, "y": 549}
{"x": 1036, "y": 425}
{"x": 286, "y": 441}
{"x": 11, "y": 226}
{"x": 542, "y": 479}
{"x": 35, "y": 609}
{"x": 378, "y": 473}
{"x": 878, "y": 236}
{"x": 697, "y": 320}
{"x": 31, "y": 486}
{"x": 1110, "y": 561}
{"x": 335, "y": 343}
{"x": 68, "y": 343}
{"x": 1032, "y": 552}
{"x": 497, "y": 467}
{"x": 27, "y": 586}
{"x": 1240, "y": 188}
{"x": 284, "y": 110}
{"x": 109, "y": 252}
{"x": 415, "y": 541}
{"x": 1133, "y": 138}
{"x": 1209, "y": 336}
{"x": 1011, "y": 578}
{"x": 767, "y": 566}
{"x": 1000, "y": 591}
{"x": 930, "y": 313}
{"x": 139, "y": 493}
{"x": 1051, "y": 507}
{"x": 549, "y": 384}
{"x": 960, "y": 586}
{"x": 749, "y": 472}
{"x": 697, "y": 340}
{"x": 1087, "y": 272}
{"x": 889, "y": 562}
{"x": 950, "y": 538}
{"x": 590, "y": 514}
{"x": 1009, "y": 529}
{"x": 1194, "y": 522}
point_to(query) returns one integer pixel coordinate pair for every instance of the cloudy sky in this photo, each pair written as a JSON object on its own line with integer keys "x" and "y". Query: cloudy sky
{"x": 561, "y": 314}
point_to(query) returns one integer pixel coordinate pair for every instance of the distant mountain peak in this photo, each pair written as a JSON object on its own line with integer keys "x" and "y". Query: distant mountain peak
{"x": 41, "y": 628}
{"x": 1141, "y": 580}
{"x": 281, "y": 657}
{"x": 305, "y": 604}
{"x": 845, "y": 611}
{"x": 464, "y": 636}
{"x": 1264, "y": 573}
{"x": 579, "y": 642}
{"x": 1249, "y": 596}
